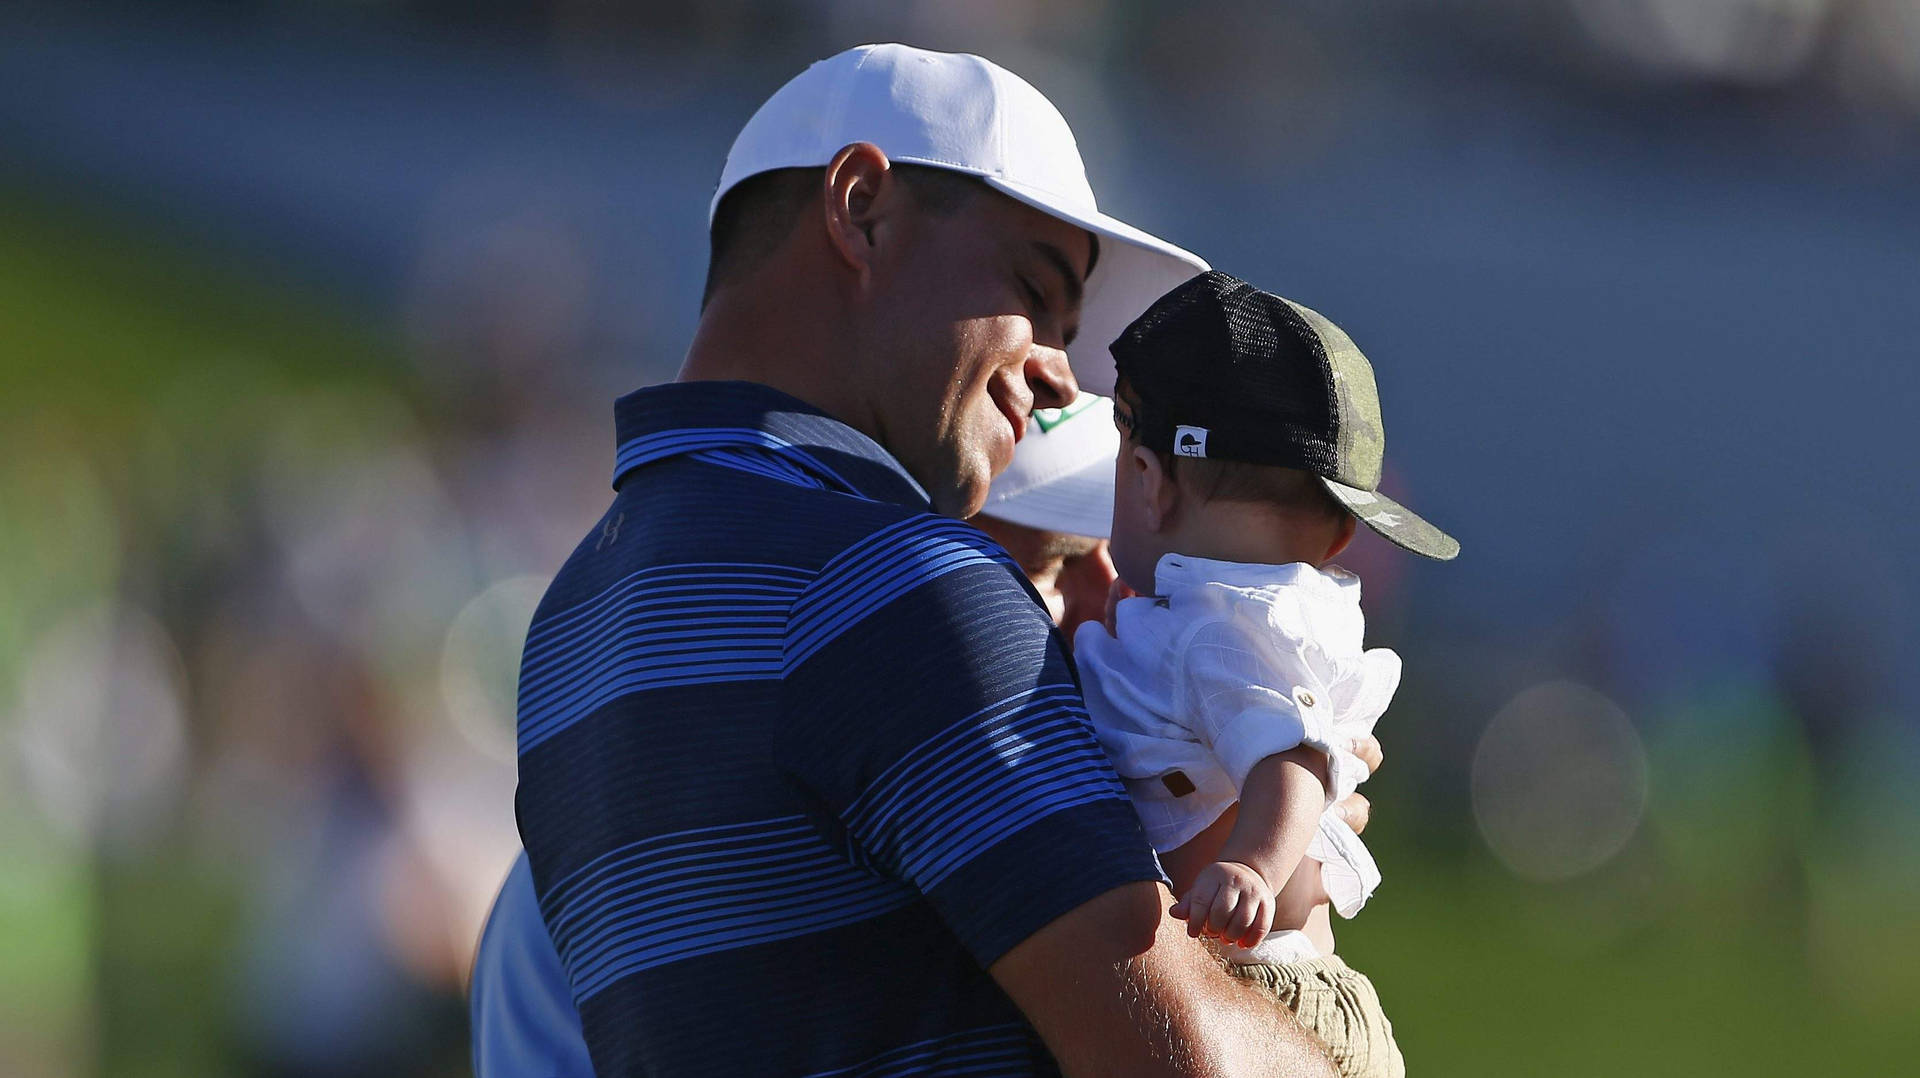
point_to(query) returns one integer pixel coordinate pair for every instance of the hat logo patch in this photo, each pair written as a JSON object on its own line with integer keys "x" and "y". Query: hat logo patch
{"x": 1190, "y": 441}
{"x": 1049, "y": 418}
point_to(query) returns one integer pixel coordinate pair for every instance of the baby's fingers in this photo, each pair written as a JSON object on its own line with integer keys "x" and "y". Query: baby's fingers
{"x": 1199, "y": 902}
{"x": 1233, "y": 913}
{"x": 1220, "y": 913}
{"x": 1262, "y": 924}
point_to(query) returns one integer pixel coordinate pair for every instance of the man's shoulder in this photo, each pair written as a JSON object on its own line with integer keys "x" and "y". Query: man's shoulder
{"x": 835, "y": 557}
{"x": 897, "y": 537}
{"x": 841, "y": 536}
{"x": 684, "y": 513}
{"x": 760, "y": 496}
{"x": 923, "y": 567}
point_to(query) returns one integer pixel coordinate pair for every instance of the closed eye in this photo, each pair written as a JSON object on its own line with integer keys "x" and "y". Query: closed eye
{"x": 1040, "y": 310}
{"x": 1072, "y": 284}
{"x": 1036, "y": 299}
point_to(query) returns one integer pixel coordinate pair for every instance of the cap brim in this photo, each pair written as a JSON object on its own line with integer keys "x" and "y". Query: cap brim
{"x": 1394, "y": 522}
{"x": 1079, "y": 503}
{"x": 1134, "y": 269}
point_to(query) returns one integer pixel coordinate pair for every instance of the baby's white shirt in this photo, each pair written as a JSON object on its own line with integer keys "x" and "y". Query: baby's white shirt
{"x": 1229, "y": 663}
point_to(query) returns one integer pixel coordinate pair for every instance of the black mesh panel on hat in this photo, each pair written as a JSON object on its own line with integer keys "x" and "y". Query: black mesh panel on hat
{"x": 1218, "y": 353}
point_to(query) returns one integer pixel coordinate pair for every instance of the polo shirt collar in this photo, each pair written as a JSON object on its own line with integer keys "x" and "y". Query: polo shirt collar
{"x": 678, "y": 418}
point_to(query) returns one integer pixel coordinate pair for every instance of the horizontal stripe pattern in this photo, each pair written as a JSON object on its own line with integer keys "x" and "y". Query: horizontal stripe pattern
{"x": 660, "y": 445}
{"x": 875, "y": 571}
{"x": 706, "y": 750}
{"x": 980, "y": 780}
{"x": 989, "y": 1050}
{"x": 706, "y": 890}
{"x": 670, "y": 625}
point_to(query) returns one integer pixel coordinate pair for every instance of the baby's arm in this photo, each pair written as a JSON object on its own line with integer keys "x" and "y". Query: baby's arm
{"x": 1232, "y": 899}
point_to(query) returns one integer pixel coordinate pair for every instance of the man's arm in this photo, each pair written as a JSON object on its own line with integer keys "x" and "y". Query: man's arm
{"x": 1116, "y": 988}
{"x": 1176, "y": 1008}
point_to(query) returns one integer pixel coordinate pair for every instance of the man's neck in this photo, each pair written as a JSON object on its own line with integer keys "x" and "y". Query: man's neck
{"x": 778, "y": 339}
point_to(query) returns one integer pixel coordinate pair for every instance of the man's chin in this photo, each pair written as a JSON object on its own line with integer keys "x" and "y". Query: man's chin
{"x": 960, "y": 488}
{"x": 960, "y": 494}
{"x": 960, "y": 501}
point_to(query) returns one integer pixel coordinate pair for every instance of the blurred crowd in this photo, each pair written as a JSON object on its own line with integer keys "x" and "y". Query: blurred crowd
{"x": 311, "y": 316}
{"x": 262, "y": 637}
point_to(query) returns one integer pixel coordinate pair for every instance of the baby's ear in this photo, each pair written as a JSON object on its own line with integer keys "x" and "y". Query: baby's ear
{"x": 1348, "y": 526}
{"x": 1159, "y": 494}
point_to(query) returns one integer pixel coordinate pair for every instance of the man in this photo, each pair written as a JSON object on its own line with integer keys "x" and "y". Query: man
{"x": 807, "y": 785}
{"x": 1050, "y": 510}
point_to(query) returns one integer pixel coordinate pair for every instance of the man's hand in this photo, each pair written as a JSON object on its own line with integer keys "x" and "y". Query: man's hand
{"x": 1356, "y": 808}
{"x": 1230, "y": 902}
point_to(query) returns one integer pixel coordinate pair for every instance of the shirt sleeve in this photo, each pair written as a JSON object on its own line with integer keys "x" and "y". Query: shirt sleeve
{"x": 1242, "y": 693}
{"x": 521, "y": 1008}
{"x": 934, "y": 719}
{"x": 1251, "y": 691}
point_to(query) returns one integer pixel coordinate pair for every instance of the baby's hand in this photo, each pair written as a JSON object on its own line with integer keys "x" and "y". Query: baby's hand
{"x": 1116, "y": 591}
{"x": 1230, "y": 902}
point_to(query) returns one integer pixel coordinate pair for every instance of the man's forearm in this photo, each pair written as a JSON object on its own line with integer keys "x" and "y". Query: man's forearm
{"x": 1116, "y": 988}
{"x": 1215, "y": 1023}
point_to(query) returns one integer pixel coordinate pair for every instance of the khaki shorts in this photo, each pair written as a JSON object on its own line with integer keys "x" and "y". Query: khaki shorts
{"x": 1341, "y": 1008}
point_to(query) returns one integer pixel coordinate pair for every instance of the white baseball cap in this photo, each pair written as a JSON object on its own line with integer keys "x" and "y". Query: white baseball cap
{"x": 1061, "y": 478}
{"x": 961, "y": 112}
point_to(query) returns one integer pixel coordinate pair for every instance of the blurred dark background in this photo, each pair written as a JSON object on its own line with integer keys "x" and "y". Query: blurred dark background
{"x": 312, "y": 313}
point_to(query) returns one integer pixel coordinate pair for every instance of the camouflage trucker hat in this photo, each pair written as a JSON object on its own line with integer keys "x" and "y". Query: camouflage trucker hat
{"x": 1224, "y": 371}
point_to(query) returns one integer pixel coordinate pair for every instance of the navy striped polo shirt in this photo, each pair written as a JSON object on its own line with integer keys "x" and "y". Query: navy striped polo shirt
{"x": 800, "y": 758}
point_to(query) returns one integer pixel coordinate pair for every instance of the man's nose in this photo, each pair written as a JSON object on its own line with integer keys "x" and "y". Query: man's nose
{"x": 1050, "y": 378}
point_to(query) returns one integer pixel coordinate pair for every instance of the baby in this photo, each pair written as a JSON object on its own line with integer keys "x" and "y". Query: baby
{"x": 1230, "y": 692}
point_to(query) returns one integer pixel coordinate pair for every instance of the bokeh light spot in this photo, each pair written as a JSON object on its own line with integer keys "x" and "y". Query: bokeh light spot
{"x": 101, "y": 723}
{"x": 480, "y": 663}
{"x": 1559, "y": 781}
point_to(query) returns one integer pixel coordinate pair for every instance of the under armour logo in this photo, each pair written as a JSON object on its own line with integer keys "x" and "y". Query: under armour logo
{"x": 610, "y": 532}
{"x": 1190, "y": 441}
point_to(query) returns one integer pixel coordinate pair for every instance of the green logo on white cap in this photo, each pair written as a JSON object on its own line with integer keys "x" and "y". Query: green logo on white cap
{"x": 1049, "y": 418}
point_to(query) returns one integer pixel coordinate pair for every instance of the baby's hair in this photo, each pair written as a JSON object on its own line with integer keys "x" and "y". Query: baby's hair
{"x": 1289, "y": 489}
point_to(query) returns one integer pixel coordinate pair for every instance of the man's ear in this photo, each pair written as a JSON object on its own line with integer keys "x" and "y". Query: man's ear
{"x": 1159, "y": 494}
{"x": 1348, "y": 527}
{"x": 861, "y": 190}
